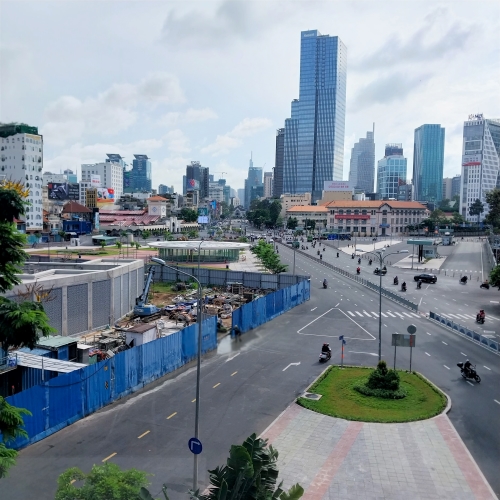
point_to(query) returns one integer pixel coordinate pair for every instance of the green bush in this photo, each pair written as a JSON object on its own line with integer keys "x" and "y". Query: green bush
{"x": 383, "y": 378}
{"x": 380, "y": 393}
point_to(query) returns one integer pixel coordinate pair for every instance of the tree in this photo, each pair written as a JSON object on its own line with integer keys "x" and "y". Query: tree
{"x": 270, "y": 260}
{"x": 250, "y": 472}
{"x": 193, "y": 233}
{"x": 477, "y": 208}
{"x": 189, "y": 215}
{"x": 264, "y": 212}
{"x": 457, "y": 218}
{"x": 495, "y": 276}
{"x": 309, "y": 224}
{"x": 292, "y": 223}
{"x": 106, "y": 481}
{"x": 11, "y": 427}
{"x": 103, "y": 244}
{"x": 145, "y": 235}
{"x": 493, "y": 200}
{"x": 119, "y": 245}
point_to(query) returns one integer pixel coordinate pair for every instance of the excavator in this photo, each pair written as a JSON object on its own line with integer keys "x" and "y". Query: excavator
{"x": 142, "y": 309}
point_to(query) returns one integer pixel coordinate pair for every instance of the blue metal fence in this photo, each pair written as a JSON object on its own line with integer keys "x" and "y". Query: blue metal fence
{"x": 266, "y": 308}
{"x": 484, "y": 340}
{"x": 71, "y": 396}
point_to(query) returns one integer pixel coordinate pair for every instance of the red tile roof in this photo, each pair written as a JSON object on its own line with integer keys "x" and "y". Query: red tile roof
{"x": 72, "y": 207}
{"x": 374, "y": 204}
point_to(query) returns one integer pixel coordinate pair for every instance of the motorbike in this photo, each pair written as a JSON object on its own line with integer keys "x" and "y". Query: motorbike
{"x": 359, "y": 261}
{"x": 419, "y": 285}
{"x": 485, "y": 285}
{"x": 396, "y": 281}
{"x": 403, "y": 288}
{"x": 463, "y": 280}
{"x": 325, "y": 356}
{"x": 469, "y": 373}
{"x": 479, "y": 319}
{"x": 325, "y": 284}
{"x": 370, "y": 262}
{"x": 358, "y": 270}
{"x": 378, "y": 271}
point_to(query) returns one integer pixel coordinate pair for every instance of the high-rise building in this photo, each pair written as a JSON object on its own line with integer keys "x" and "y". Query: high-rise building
{"x": 110, "y": 175}
{"x": 141, "y": 168}
{"x": 480, "y": 162}
{"x": 198, "y": 176}
{"x": 254, "y": 179}
{"x": 241, "y": 195}
{"x": 428, "y": 162}
{"x": 447, "y": 182}
{"x": 314, "y": 134}
{"x": 391, "y": 172}
{"x": 268, "y": 184}
{"x": 22, "y": 161}
{"x": 163, "y": 189}
{"x": 278, "y": 163}
{"x": 362, "y": 167}
{"x": 455, "y": 185}
{"x": 70, "y": 176}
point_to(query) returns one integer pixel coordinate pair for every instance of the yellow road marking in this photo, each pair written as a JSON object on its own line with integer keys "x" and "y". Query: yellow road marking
{"x": 215, "y": 385}
{"x": 193, "y": 400}
{"x": 107, "y": 458}
{"x": 143, "y": 434}
{"x": 234, "y": 373}
{"x": 72, "y": 481}
{"x": 173, "y": 415}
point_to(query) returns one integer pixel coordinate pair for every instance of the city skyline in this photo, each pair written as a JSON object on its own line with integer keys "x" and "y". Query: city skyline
{"x": 165, "y": 111}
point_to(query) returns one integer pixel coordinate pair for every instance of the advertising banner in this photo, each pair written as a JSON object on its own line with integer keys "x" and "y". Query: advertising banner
{"x": 95, "y": 181}
{"x": 63, "y": 191}
{"x": 105, "y": 195}
{"x": 192, "y": 185}
{"x": 202, "y": 219}
{"x": 203, "y": 211}
{"x": 337, "y": 186}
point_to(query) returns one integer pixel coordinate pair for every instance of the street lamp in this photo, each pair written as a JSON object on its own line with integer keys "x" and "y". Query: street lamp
{"x": 198, "y": 364}
{"x": 381, "y": 259}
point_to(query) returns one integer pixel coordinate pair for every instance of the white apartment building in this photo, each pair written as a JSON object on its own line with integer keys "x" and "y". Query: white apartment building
{"x": 292, "y": 200}
{"x": 268, "y": 184}
{"x": 21, "y": 160}
{"x": 50, "y": 177}
{"x": 111, "y": 175}
{"x": 216, "y": 192}
{"x": 480, "y": 163}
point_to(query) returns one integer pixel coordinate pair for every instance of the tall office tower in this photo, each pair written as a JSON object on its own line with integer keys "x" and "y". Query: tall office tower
{"x": 278, "y": 163}
{"x": 22, "y": 161}
{"x": 254, "y": 179}
{"x": 70, "y": 176}
{"x": 268, "y": 184}
{"x": 241, "y": 195}
{"x": 391, "y": 172}
{"x": 362, "y": 168}
{"x": 428, "y": 162}
{"x": 163, "y": 189}
{"x": 480, "y": 162}
{"x": 447, "y": 183}
{"x": 455, "y": 185}
{"x": 141, "y": 168}
{"x": 314, "y": 135}
{"x": 201, "y": 177}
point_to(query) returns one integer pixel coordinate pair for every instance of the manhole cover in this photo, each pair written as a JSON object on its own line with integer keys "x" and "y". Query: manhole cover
{"x": 310, "y": 395}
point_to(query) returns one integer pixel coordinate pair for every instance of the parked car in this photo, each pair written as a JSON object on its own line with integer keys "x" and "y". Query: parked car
{"x": 426, "y": 278}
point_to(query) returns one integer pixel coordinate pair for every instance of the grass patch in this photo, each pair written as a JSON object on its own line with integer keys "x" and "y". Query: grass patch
{"x": 340, "y": 399}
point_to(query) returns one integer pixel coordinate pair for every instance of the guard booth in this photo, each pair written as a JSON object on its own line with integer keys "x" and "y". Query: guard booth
{"x": 426, "y": 249}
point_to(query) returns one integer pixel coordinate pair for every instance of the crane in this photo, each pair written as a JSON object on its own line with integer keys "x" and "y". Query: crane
{"x": 142, "y": 308}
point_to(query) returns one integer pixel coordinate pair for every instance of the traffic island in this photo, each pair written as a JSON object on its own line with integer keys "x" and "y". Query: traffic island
{"x": 339, "y": 397}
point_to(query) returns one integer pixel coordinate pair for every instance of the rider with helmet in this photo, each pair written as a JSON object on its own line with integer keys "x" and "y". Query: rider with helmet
{"x": 326, "y": 348}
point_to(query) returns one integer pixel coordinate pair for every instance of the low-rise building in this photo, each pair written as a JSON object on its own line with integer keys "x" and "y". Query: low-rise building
{"x": 292, "y": 200}
{"x": 362, "y": 217}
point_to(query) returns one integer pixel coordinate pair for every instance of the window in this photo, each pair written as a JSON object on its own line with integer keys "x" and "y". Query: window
{"x": 384, "y": 212}
{"x": 363, "y": 222}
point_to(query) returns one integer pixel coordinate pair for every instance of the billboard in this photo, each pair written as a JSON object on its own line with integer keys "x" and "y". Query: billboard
{"x": 105, "y": 195}
{"x": 203, "y": 219}
{"x": 337, "y": 186}
{"x": 192, "y": 185}
{"x": 202, "y": 211}
{"x": 63, "y": 191}
{"x": 95, "y": 181}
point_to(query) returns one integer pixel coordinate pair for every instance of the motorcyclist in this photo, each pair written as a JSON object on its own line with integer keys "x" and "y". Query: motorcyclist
{"x": 467, "y": 367}
{"x": 396, "y": 281}
{"x": 337, "y": 255}
{"x": 370, "y": 262}
{"x": 358, "y": 270}
{"x": 326, "y": 348}
{"x": 481, "y": 315}
{"x": 359, "y": 260}
{"x": 320, "y": 256}
{"x": 384, "y": 269}
{"x": 325, "y": 283}
{"x": 403, "y": 286}
{"x": 419, "y": 284}
{"x": 463, "y": 279}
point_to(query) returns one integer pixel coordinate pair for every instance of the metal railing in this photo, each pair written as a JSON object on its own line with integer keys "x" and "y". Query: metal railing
{"x": 8, "y": 363}
{"x": 369, "y": 284}
{"x": 483, "y": 340}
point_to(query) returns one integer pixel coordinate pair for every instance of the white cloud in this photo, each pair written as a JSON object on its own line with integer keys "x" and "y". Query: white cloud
{"x": 177, "y": 142}
{"x": 233, "y": 139}
{"x": 191, "y": 115}
{"x": 112, "y": 111}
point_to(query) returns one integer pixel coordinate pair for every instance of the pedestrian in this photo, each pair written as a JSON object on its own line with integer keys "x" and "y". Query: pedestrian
{"x": 237, "y": 332}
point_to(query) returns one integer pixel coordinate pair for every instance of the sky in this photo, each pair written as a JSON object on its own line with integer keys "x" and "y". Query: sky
{"x": 211, "y": 81}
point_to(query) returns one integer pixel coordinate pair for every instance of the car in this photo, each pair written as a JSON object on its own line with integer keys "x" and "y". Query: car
{"x": 426, "y": 278}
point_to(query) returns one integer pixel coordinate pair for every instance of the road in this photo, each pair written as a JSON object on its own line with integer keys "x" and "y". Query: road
{"x": 245, "y": 385}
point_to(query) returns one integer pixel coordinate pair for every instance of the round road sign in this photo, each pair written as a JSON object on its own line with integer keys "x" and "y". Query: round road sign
{"x": 411, "y": 329}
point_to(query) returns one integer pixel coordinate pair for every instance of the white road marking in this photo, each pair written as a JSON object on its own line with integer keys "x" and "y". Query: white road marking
{"x": 428, "y": 333}
{"x": 406, "y": 314}
{"x": 375, "y": 314}
{"x": 384, "y": 315}
{"x": 444, "y": 342}
{"x": 313, "y": 309}
{"x": 236, "y": 355}
{"x": 385, "y": 326}
{"x": 369, "y": 353}
{"x": 400, "y": 315}
{"x": 498, "y": 402}
{"x": 447, "y": 367}
{"x": 494, "y": 301}
{"x": 350, "y": 313}
{"x": 316, "y": 319}
{"x": 416, "y": 315}
{"x": 470, "y": 383}
{"x": 487, "y": 367}
{"x": 427, "y": 354}
{"x": 463, "y": 354}
{"x": 291, "y": 364}
{"x": 336, "y": 305}
{"x": 390, "y": 314}
{"x": 367, "y": 314}
{"x": 358, "y": 313}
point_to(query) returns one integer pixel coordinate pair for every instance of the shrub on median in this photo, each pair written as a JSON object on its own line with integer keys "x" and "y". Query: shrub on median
{"x": 382, "y": 383}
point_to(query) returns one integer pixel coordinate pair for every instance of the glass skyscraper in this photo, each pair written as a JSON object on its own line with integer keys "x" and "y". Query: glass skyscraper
{"x": 278, "y": 163}
{"x": 314, "y": 134}
{"x": 428, "y": 161}
{"x": 362, "y": 168}
{"x": 391, "y": 172}
{"x": 253, "y": 180}
{"x": 141, "y": 173}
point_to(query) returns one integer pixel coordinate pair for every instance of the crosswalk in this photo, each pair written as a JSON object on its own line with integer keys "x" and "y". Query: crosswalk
{"x": 463, "y": 316}
{"x": 386, "y": 314}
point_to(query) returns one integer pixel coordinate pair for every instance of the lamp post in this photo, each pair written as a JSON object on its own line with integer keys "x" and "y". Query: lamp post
{"x": 198, "y": 364}
{"x": 381, "y": 259}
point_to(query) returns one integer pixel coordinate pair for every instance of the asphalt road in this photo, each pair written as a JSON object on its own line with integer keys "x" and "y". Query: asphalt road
{"x": 245, "y": 385}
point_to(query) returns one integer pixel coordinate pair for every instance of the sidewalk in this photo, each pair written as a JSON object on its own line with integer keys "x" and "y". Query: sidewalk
{"x": 430, "y": 265}
{"x": 368, "y": 247}
{"x": 333, "y": 458}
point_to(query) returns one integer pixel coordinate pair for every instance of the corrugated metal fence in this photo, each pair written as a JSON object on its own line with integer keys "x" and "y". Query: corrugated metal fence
{"x": 67, "y": 398}
{"x": 266, "y": 308}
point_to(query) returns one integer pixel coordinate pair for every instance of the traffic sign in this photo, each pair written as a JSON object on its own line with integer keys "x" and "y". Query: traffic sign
{"x": 411, "y": 329}
{"x": 195, "y": 446}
